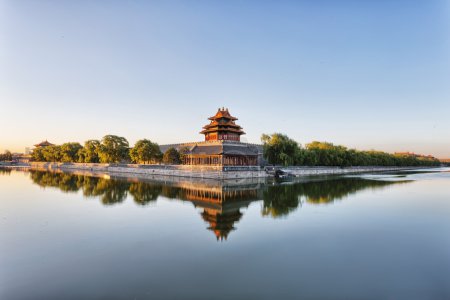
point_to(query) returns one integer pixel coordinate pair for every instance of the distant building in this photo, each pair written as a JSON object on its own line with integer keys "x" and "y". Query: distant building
{"x": 43, "y": 144}
{"x": 222, "y": 145}
{"x": 22, "y": 158}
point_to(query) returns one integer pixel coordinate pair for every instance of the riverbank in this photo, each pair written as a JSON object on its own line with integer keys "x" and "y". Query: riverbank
{"x": 206, "y": 172}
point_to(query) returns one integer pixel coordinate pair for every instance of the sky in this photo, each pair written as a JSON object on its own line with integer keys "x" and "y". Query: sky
{"x": 365, "y": 74}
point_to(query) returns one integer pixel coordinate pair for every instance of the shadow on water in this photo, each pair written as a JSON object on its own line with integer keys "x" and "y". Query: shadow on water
{"x": 221, "y": 202}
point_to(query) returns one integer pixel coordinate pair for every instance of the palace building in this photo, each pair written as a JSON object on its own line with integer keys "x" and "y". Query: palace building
{"x": 222, "y": 145}
{"x": 43, "y": 144}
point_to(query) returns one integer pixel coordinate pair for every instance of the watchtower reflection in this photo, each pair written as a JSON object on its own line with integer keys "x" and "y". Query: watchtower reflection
{"x": 221, "y": 202}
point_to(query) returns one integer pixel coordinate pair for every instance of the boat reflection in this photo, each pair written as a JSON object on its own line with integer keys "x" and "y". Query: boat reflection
{"x": 220, "y": 202}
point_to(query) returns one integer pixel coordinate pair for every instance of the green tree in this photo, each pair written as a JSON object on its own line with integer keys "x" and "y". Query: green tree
{"x": 279, "y": 149}
{"x": 7, "y": 156}
{"x": 145, "y": 151}
{"x": 328, "y": 154}
{"x": 183, "y": 152}
{"x": 89, "y": 153}
{"x": 172, "y": 156}
{"x": 69, "y": 152}
{"x": 113, "y": 149}
{"x": 52, "y": 153}
{"x": 37, "y": 155}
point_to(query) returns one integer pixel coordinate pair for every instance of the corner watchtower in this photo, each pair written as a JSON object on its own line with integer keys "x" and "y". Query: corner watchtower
{"x": 222, "y": 127}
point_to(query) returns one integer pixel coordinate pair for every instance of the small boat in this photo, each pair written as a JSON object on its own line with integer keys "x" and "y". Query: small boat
{"x": 282, "y": 174}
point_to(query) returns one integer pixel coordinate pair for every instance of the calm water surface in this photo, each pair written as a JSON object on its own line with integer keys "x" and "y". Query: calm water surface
{"x": 66, "y": 236}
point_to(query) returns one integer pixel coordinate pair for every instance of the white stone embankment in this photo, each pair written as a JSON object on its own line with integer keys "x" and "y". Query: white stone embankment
{"x": 212, "y": 172}
{"x": 311, "y": 171}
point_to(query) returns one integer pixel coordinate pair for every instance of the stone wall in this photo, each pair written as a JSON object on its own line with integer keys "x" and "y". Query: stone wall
{"x": 310, "y": 171}
{"x": 212, "y": 172}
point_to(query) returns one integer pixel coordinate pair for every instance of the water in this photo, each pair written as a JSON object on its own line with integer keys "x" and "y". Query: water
{"x": 66, "y": 236}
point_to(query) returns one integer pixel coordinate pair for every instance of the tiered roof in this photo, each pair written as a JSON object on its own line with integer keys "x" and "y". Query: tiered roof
{"x": 222, "y": 122}
{"x": 224, "y": 148}
{"x": 221, "y": 224}
{"x": 44, "y": 144}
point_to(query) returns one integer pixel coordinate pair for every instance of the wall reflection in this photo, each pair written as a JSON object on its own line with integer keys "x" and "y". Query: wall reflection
{"x": 220, "y": 202}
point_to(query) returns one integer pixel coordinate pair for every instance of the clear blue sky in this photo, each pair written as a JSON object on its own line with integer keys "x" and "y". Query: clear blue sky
{"x": 366, "y": 74}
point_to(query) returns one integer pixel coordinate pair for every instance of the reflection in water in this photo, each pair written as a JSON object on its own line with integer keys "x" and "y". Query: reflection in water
{"x": 5, "y": 171}
{"x": 144, "y": 193}
{"x": 221, "y": 201}
{"x": 108, "y": 190}
{"x": 65, "y": 182}
{"x": 280, "y": 200}
{"x": 221, "y": 221}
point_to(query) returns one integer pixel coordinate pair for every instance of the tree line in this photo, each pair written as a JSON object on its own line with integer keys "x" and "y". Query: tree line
{"x": 6, "y": 156}
{"x": 110, "y": 149}
{"x": 279, "y": 149}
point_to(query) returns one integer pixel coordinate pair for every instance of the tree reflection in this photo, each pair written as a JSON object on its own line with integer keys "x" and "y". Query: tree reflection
{"x": 110, "y": 191}
{"x": 5, "y": 171}
{"x": 65, "y": 182}
{"x": 172, "y": 192}
{"x": 143, "y": 193}
{"x": 329, "y": 191}
{"x": 221, "y": 202}
{"x": 90, "y": 186}
{"x": 280, "y": 200}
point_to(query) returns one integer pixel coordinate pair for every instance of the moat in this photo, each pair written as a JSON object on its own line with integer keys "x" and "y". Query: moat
{"x": 97, "y": 236}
